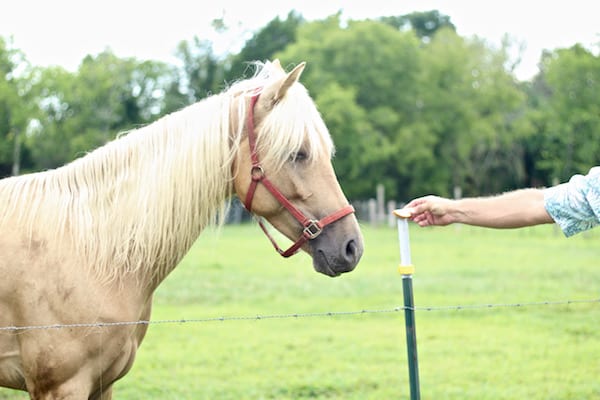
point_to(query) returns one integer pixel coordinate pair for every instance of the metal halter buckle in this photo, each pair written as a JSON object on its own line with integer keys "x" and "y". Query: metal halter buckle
{"x": 312, "y": 230}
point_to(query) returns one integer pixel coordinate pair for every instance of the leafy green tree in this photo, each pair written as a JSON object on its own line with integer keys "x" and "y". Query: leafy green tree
{"x": 567, "y": 104}
{"x": 50, "y": 140}
{"x": 409, "y": 103}
{"x": 424, "y": 23}
{"x": 472, "y": 105}
{"x": 376, "y": 67}
{"x": 15, "y": 107}
{"x": 202, "y": 70}
{"x": 267, "y": 41}
{"x": 355, "y": 138}
{"x": 84, "y": 110}
{"x": 537, "y": 95}
{"x": 436, "y": 114}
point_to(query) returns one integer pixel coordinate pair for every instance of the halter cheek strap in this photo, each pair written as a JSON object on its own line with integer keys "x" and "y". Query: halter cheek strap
{"x": 312, "y": 227}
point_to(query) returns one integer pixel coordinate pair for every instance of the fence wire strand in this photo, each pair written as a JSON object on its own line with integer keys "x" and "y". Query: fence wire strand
{"x": 293, "y": 315}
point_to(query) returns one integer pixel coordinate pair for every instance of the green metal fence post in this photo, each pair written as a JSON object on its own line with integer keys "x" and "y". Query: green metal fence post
{"x": 407, "y": 269}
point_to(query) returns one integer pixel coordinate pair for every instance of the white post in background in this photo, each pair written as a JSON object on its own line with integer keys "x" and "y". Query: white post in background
{"x": 380, "y": 204}
{"x": 372, "y": 211}
{"x": 391, "y": 206}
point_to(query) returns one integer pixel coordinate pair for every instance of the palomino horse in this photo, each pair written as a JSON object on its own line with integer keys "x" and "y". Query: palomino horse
{"x": 83, "y": 247}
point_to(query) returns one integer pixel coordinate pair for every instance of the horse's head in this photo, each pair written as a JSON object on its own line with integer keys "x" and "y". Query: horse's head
{"x": 283, "y": 173}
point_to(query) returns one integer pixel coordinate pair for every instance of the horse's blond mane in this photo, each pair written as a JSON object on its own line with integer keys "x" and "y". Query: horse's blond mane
{"x": 139, "y": 202}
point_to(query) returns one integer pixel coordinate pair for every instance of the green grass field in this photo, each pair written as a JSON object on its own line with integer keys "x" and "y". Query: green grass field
{"x": 549, "y": 352}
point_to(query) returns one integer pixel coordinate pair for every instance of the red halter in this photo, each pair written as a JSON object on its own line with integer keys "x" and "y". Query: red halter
{"x": 312, "y": 227}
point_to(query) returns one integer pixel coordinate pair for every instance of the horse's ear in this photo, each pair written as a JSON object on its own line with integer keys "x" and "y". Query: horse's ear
{"x": 289, "y": 80}
{"x": 277, "y": 65}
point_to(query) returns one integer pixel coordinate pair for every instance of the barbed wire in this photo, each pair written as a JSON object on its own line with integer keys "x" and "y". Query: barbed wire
{"x": 294, "y": 315}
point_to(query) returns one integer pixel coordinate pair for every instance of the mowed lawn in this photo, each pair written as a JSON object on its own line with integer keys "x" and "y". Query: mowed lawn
{"x": 549, "y": 352}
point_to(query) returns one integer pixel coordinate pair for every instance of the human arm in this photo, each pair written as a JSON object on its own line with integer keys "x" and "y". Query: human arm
{"x": 515, "y": 209}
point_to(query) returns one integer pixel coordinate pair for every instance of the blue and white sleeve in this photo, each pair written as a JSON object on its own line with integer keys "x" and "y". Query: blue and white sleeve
{"x": 575, "y": 205}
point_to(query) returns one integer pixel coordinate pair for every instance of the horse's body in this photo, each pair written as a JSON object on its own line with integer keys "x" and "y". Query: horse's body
{"x": 89, "y": 242}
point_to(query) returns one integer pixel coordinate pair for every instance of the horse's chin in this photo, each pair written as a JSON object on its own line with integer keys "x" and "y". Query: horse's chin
{"x": 323, "y": 265}
{"x": 326, "y": 271}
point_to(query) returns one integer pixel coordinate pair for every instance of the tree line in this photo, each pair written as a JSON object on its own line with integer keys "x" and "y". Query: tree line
{"x": 410, "y": 103}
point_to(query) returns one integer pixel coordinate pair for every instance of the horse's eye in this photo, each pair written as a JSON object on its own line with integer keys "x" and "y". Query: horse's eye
{"x": 299, "y": 156}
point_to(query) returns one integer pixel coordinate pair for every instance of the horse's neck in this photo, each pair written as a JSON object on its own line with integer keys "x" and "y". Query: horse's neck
{"x": 153, "y": 193}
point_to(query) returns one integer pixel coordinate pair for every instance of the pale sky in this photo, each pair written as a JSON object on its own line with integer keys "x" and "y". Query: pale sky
{"x": 62, "y": 32}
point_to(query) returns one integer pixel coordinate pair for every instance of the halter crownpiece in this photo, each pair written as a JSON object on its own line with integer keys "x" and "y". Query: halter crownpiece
{"x": 312, "y": 227}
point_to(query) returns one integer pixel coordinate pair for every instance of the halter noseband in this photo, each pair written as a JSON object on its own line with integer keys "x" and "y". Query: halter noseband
{"x": 312, "y": 227}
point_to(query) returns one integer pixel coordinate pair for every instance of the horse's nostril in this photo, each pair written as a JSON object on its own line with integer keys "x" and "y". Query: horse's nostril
{"x": 351, "y": 250}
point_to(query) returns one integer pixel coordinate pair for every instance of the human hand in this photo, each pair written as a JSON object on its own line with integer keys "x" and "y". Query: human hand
{"x": 430, "y": 211}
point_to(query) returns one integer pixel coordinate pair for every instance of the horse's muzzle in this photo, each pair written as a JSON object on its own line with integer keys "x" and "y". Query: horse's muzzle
{"x": 333, "y": 257}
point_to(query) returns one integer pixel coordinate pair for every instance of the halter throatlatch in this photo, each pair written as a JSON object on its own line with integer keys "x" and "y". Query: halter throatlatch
{"x": 312, "y": 227}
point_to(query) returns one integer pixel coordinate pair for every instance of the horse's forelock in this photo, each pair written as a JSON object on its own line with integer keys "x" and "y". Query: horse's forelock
{"x": 294, "y": 124}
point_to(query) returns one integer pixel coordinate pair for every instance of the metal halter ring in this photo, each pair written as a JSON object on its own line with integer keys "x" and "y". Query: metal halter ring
{"x": 312, "y": 230}
{"x": 257, "y": 173}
